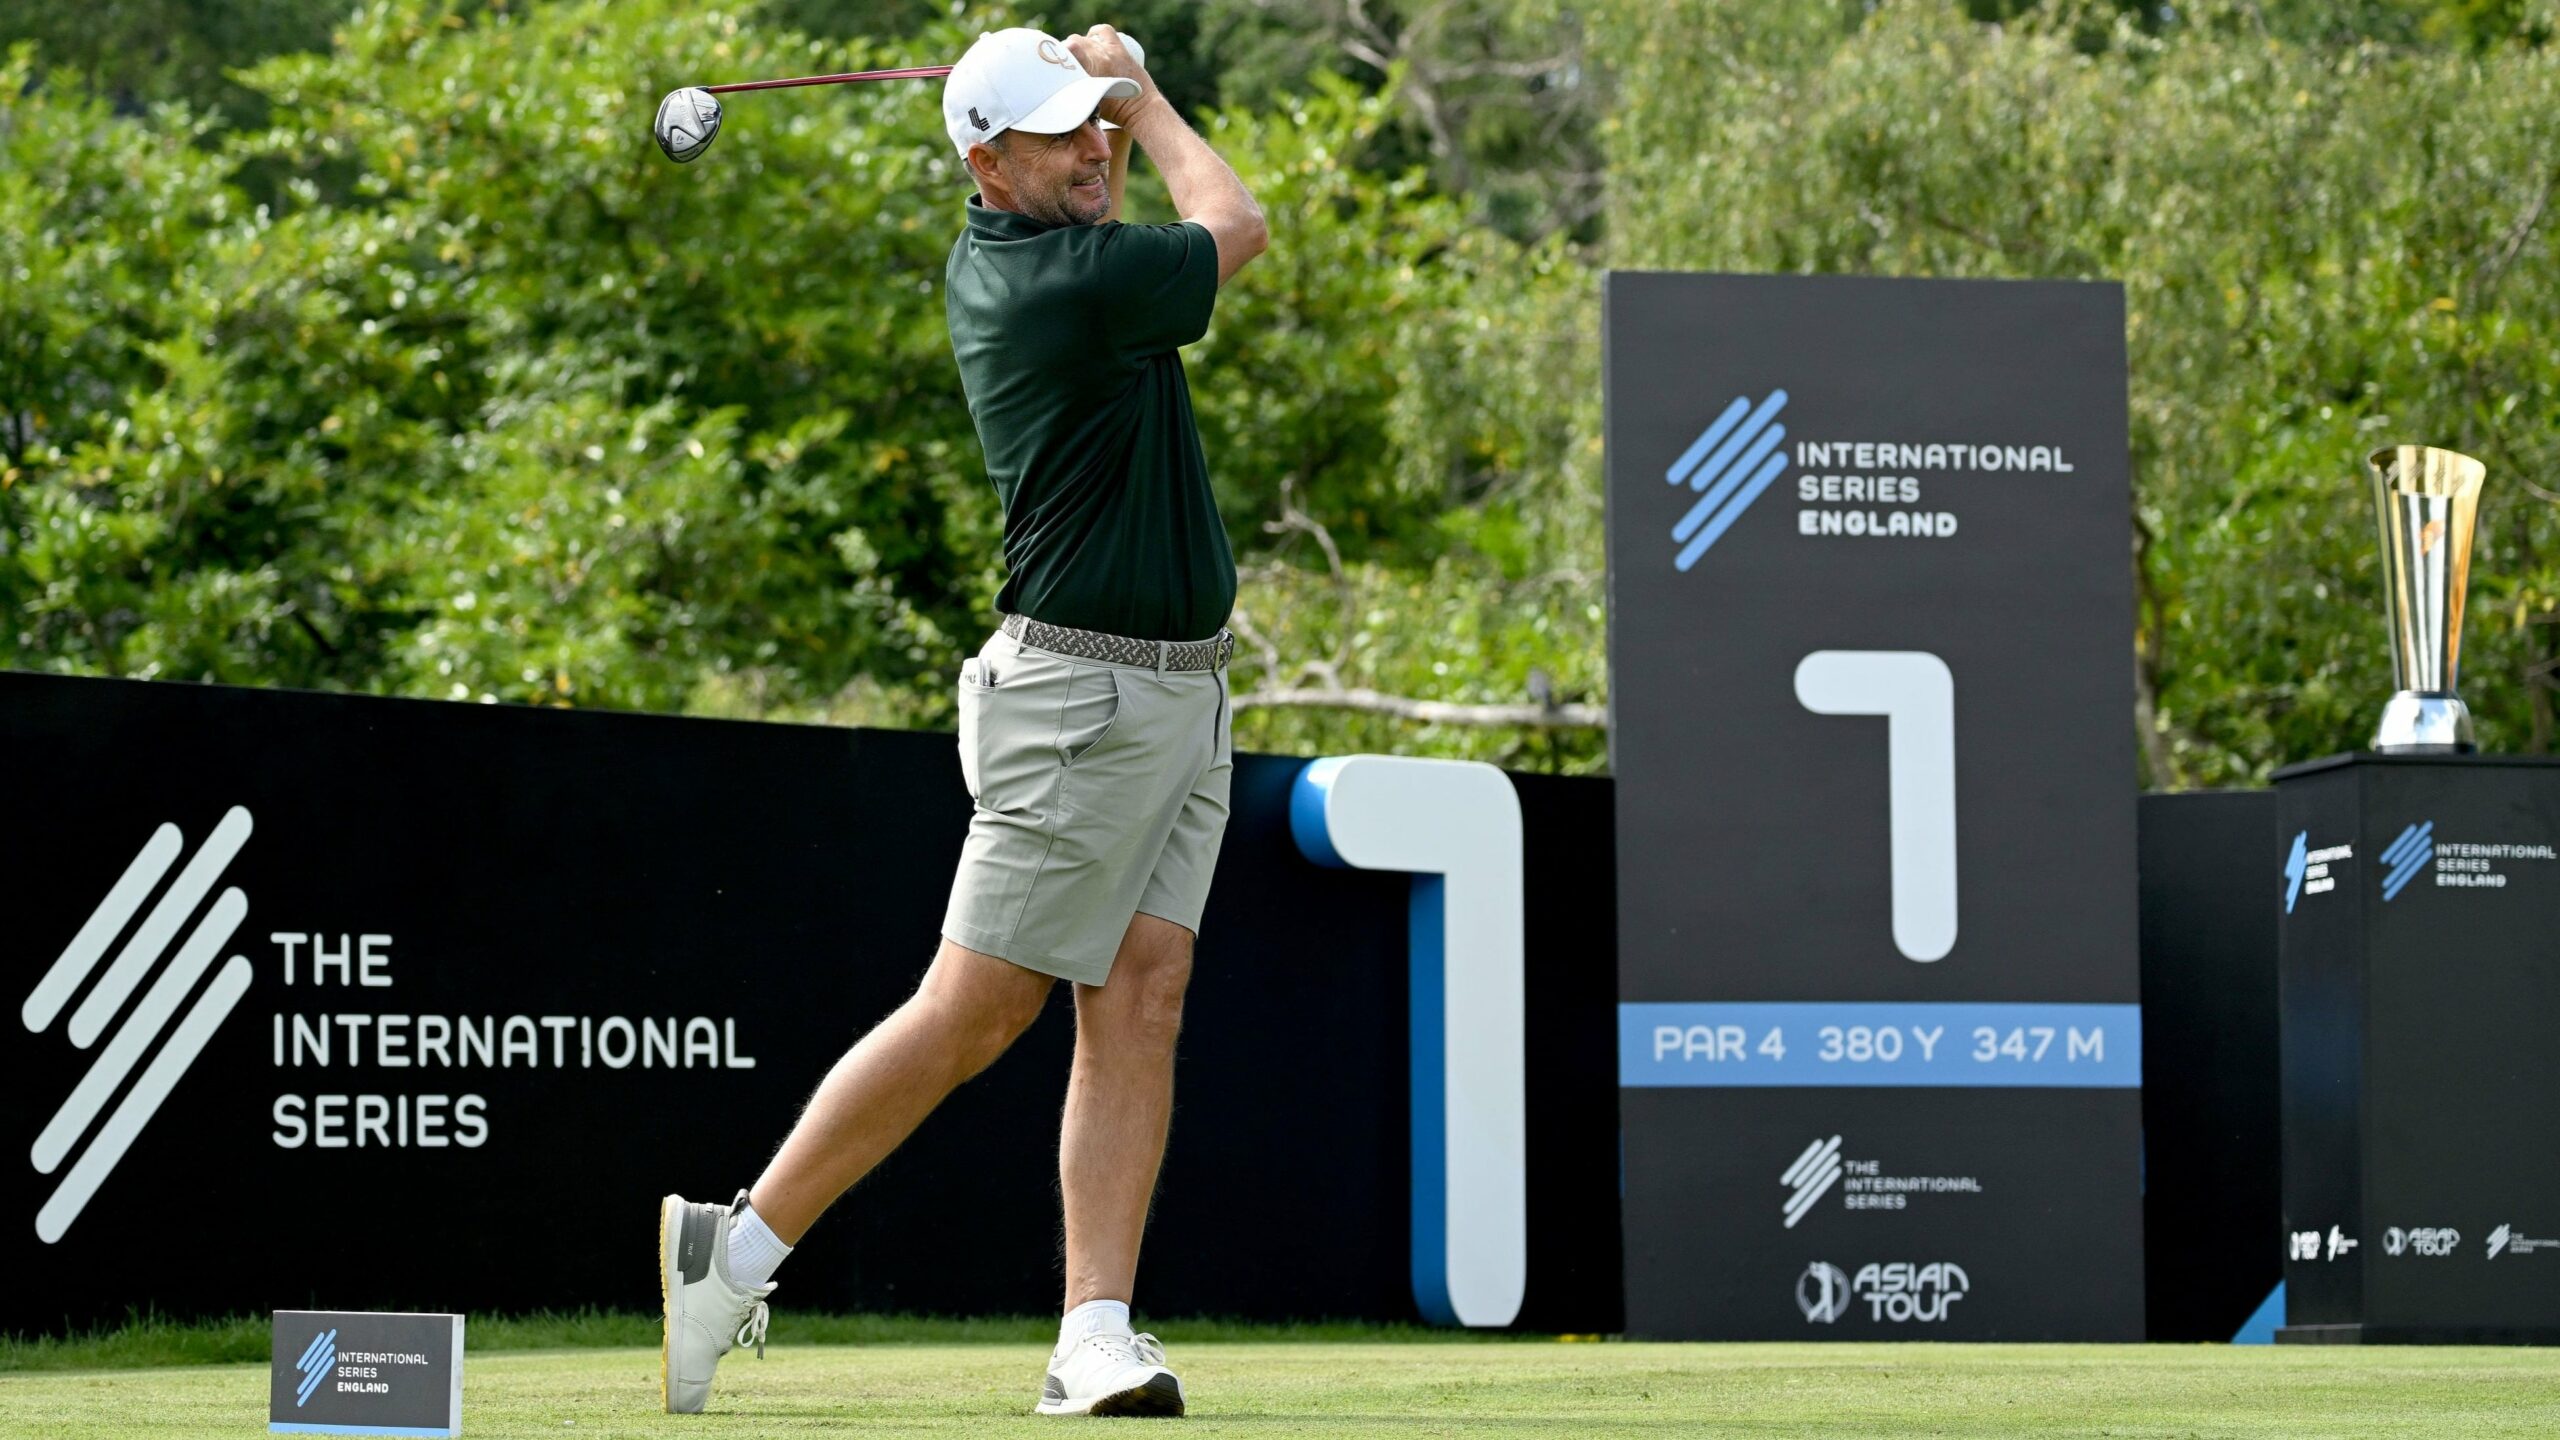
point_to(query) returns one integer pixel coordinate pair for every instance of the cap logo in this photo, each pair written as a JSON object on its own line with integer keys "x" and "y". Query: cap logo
{"x": 977, "y": 119}
{"x": 1050, "y": 52}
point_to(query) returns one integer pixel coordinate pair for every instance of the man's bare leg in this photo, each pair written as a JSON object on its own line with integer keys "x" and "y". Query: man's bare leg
{"x": 1119, "y": 1104}
{"x": 968, "y": 1010}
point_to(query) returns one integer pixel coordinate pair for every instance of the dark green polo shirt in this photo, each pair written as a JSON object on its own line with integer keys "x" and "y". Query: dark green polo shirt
{"x": 1066, "y": 339}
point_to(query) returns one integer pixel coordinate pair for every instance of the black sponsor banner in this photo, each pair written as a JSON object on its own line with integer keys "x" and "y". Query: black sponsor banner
{"x": 2210, "y": 1206}
{"x": 1879, "y": 1027}
{"x": 2421, "y": 1091}
{"x": 405, "y": 1004}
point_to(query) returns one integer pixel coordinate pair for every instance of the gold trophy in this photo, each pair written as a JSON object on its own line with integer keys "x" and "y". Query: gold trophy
{"x": 2428, "y": 500}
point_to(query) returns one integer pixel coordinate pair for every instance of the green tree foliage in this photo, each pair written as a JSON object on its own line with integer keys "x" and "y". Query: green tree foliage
{"x": 408, "y": 366}
{"x": 527, "y": 413}
{"x": 2324, "y": 250}
{"x": 498, "y": 404}
{"x": 135, "y": 52}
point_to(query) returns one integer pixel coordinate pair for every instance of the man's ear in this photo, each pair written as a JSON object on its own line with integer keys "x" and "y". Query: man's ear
{"x": 984, "y": 159}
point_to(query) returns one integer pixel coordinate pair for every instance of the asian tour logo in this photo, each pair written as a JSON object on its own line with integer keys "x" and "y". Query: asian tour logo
{"x": 126, "y": 1048}
{"x": 1732, "y": 463}
{"x": 315, "y": 1364}
{"x": 1900, "y": 1293}
{"x": 2405, "y": 858}
{"x": 1822, "y": 1293}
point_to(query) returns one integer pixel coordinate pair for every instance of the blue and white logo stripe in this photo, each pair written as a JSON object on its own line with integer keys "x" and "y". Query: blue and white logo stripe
{"x": 2406, "y": 856}
{"x": 1733, "y": 461}
{"x": 2294, "y": 866}
{"x": 315, "y": 1364}
{"x": 128, "y": 1046}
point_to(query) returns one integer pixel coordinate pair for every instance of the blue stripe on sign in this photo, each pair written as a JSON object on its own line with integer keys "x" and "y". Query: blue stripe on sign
{"x": 2052, "y": 1046}
{"x": 1701, "y": 512}
{"x": 279, "y": 1427}
{"x": 2263, "y": 1323}
{"x": 1697, "y": 450}
{"x": 282, "y": 1428}
{"x": 317, "y": 1368}
{"x": 1714, "y": 468}
{"x": 1769, "y": 471}
{"x": 1427, "y": 970}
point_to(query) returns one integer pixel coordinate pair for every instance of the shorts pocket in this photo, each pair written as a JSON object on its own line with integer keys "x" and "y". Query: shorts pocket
{"x": 1090, "y": 710}
{"x": 973, "y": 695}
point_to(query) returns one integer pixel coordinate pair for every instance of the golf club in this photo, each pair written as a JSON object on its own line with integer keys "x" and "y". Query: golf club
{"x": 689, "y": 119}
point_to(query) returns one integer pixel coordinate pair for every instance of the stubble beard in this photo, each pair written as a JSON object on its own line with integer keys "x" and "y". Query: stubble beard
{"x": 1059, "y": 209}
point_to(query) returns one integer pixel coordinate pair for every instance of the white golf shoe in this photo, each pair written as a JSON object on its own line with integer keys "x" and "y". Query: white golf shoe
{"x": 707, "y": 1313}
{"x": 1110, "y": 1373}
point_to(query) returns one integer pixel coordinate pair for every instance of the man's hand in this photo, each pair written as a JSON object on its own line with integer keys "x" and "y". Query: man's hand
{"x": 1204, "y": 190}
{"x": 1100, "y": 52}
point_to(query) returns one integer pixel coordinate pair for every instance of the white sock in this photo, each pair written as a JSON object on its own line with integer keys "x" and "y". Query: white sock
{"x": 1093, "y": 1317}
{"x": 755, "y": 1252}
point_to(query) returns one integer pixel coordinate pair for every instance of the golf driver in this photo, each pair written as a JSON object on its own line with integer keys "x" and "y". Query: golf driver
{"x": 689, "y": 119}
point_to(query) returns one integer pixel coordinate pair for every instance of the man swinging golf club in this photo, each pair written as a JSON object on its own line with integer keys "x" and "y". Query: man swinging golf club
{"x": 1093, "y": 723}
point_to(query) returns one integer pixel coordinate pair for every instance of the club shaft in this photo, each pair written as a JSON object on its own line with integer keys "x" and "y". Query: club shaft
{"x": 918, "y": 72}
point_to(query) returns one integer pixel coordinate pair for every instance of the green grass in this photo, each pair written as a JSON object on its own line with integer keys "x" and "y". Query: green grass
{"x": 983, "y": 1384}
{"x": 146, "y": 1340}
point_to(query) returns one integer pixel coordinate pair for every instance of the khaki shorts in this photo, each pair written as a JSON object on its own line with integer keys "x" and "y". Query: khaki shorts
{"x": 1101, "y": 794}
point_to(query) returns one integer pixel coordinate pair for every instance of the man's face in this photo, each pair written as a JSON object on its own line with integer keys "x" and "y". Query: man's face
{"x": 1054, "y": 179}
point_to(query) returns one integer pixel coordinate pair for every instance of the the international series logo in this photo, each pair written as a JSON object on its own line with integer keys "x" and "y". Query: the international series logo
{"x": 2294, "y": 865}
{"x": 1732, "y": 463}
{"x": 126, "y": 1048}
{"x": 1851, "y": 488}
{"x": 1814, "y": 1172}
{"x": 315, "y": 1364}
{"x": 2405, "y": 858}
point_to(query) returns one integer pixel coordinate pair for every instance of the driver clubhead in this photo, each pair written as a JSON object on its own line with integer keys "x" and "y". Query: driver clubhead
{"x": 688, "y": 121}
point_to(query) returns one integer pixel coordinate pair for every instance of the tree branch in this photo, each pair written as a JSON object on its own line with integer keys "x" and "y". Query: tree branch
{"x": 1293, "y": 518}
{"x": 1576, "y": 716}
{"x": 2495, "y": 267}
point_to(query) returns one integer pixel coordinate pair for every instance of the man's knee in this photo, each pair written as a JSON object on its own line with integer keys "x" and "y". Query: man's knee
{"x": 1153, "y": 972}
{"x": 985, "y": 1003}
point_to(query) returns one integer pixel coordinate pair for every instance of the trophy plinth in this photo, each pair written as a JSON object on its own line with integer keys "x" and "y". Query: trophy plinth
{"x": 2427, "y": 501}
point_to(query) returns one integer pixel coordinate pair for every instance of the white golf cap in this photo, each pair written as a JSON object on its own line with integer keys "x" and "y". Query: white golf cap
{"x": 1022, "y": 80}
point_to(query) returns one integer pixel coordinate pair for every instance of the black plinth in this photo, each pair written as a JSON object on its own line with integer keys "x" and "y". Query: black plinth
{"x": 2419, "y": 989}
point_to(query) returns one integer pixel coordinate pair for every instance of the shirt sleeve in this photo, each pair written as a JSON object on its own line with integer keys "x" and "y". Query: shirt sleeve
{"x": 1159, "y": 285}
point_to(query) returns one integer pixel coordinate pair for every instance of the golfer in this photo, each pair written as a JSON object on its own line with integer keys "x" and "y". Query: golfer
{"x": 1093, "y": 723}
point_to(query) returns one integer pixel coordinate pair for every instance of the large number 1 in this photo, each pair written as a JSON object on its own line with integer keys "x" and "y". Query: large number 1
{"x": 1454, "y": 825}
{"x": 1916, "y": 694}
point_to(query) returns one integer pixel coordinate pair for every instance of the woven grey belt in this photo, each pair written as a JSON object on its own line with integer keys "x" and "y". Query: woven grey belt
{"x": 1158, "y": 655}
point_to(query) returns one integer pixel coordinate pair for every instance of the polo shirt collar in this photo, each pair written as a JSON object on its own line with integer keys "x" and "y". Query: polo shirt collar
{"x": 989, "y": 223}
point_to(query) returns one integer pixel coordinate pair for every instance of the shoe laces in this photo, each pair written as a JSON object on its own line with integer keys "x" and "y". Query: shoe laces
{"x": 1139, "y": 1349}
{"x": 751, "y": 1328}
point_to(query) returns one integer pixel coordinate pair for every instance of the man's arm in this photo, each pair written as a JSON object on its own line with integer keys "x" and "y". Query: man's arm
{"x": 1119, "y": 180}
{"x": 1204, "y": 189}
